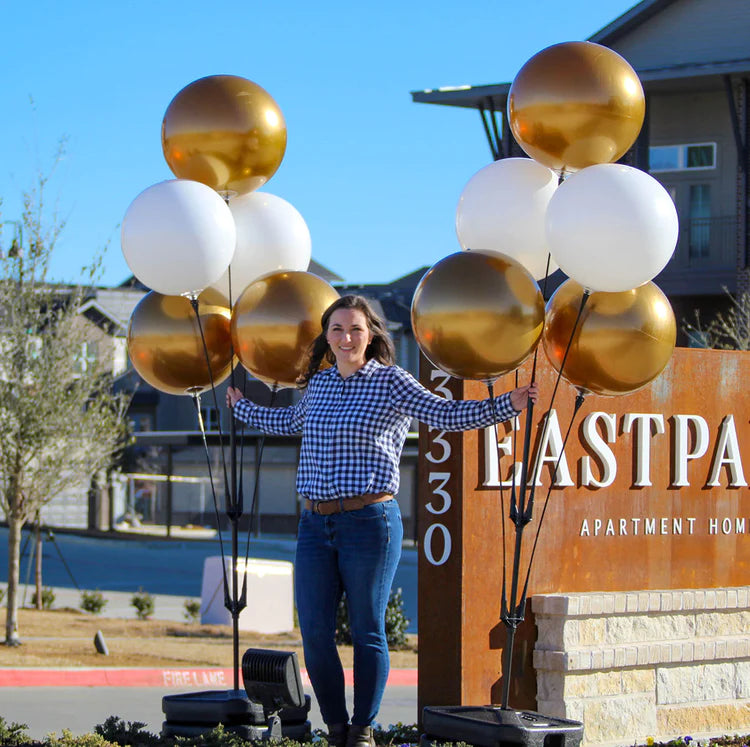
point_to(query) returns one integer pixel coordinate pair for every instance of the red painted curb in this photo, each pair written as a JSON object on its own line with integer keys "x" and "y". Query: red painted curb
{"x": 212, "y": 677}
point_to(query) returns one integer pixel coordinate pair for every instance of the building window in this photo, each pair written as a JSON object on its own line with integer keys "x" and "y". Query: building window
{"x": 119, "y": 355}
{"x": 85, "y": 358}
{"x": 211, "y": 418}
{"x": 141, "y": 422}
{"x": 700, "y": 220}
{"x": 689, "y": 157}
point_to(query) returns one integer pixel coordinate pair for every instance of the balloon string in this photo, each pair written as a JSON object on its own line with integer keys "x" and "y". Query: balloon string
{"x": 513, "y": 486}
{"x": 526, "y": 511}
{"x": 236, "y": 485}
{"x": 577, "y": 406}
{"x": 544, "y": 294}
{"x": 546, "y": 276}
{"x": 529, "y": 418}
{"x": 584, "y": 299}
{"x": 521, "y": 518}
{"x": 529, "y": 510}
{"x": 258, "y": 460}
{"x": 241, "y": 461}
{"x": 534, "y": 363}
{"x": 196, "y": 400}
{"x": 231, "y": 303}
{"x": 504, "y": 600}
{"x": 231, "y": 341}
{"x": 231, "y": 506}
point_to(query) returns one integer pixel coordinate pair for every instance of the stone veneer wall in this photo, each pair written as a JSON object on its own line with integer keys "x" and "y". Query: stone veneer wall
{"x": 632, "y": 665}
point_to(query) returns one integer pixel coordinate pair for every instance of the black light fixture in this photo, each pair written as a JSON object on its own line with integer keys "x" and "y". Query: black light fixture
{"x": 272, "y": 706}
{"x": 273, "y": 679}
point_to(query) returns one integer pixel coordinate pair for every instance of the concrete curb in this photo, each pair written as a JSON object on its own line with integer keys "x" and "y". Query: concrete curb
{"x": 207, "y": 677}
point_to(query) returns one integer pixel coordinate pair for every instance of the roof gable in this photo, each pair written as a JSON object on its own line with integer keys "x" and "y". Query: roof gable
{"x": 661, "y": 33}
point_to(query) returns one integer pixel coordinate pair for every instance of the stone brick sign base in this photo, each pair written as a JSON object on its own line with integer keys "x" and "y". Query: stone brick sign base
{"x": 633, "y": 665}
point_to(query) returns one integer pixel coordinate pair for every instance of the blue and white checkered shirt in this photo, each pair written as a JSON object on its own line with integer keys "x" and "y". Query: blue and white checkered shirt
{"x": 353, "y": 429}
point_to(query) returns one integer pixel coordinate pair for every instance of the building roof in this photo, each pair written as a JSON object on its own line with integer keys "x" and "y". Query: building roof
{"x": 494, "y": 97}
{"x": 639, "y": 14}
{"x": 103, "y": 318}
{"x": 393, "y": 298}
{"x": 315, "y": 267}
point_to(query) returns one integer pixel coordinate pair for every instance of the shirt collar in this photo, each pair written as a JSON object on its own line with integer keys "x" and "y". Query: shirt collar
{"x": 367, "y": 370}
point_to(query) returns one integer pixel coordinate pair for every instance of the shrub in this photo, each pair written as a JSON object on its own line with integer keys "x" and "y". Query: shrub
{"x": 143, "y": 603}
{"x": 68, "y": 739}
{"x": 117, "y": 731}
{"x": 398, "y": 734}
{"x": 93, "y": 601}
{"x": 48, "y": 598}
{"x": 13, "y": 734}
{"x": 395, "y": 622}
{"x": 192, "y": 610}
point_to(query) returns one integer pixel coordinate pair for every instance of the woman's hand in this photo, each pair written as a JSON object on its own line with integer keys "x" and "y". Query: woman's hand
{"x": 234, "y": 395}
{"x": 520, "y": 397}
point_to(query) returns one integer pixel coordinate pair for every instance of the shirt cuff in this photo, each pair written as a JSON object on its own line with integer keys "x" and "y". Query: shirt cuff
{"x": 504, "y": 408}
{"x": 243, "y": 409}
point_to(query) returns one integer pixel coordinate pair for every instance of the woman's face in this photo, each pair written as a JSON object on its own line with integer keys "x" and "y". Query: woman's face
{"x": 348, "y": 337}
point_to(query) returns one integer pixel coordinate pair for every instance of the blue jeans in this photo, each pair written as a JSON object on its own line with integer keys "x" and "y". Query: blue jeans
{"x": 356, "y": 552}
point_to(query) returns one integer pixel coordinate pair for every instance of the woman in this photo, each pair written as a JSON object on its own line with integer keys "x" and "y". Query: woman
{"x": 354, "y": 417}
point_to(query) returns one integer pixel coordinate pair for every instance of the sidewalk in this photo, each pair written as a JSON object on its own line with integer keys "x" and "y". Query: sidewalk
{"x": 168, "y": 607}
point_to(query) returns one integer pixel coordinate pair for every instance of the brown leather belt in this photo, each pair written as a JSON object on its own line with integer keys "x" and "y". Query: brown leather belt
{"x": 336, "y": 506}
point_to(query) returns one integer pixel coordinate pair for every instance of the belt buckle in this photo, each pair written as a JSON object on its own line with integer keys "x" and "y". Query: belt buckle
{"x": 316, "y": 507}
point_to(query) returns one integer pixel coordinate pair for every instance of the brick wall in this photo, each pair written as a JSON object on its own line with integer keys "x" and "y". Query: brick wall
{"x": 633, "y": 665}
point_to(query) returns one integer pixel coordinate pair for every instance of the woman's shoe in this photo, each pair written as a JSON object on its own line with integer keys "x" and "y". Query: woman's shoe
{"x": 337, "y": 735}
{"x": 360, "y": 736}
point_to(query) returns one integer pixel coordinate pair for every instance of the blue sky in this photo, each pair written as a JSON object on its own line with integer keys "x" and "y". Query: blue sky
{"x": 375, "y": 176}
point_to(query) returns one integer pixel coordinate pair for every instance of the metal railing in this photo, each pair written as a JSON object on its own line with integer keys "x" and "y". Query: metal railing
{"x": 706, "y": 243}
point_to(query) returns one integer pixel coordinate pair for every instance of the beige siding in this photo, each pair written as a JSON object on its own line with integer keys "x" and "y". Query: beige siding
{"x": 697, "y": 118}
{"x": 689, "y": 31}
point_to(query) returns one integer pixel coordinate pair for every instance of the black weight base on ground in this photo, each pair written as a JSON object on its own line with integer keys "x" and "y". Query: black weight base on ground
{"x": 191, "y": 714}
{"x": 492, "y": 726}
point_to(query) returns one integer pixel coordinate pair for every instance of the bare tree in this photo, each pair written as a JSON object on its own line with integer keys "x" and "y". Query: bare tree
{"x": 60, "y": 422}
{"x": 727, "y": 330}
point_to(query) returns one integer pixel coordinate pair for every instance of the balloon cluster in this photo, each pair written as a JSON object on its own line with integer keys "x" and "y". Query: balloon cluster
{"x": 574, "y": 108}
{"x": 226, "y": 265}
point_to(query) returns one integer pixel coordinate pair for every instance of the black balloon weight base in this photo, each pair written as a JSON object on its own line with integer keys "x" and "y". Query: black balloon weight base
{"x": 493, "y": 726}
{"x": 193, "y": 714}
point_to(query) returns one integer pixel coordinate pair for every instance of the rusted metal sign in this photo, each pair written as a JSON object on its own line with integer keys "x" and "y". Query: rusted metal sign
{"x": 650, "y": 492}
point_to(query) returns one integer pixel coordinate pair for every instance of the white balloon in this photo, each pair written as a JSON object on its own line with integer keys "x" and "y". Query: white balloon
{"x": 611, "y": 227}
{"x": 271, "y": 236}
{"x": 178, "y": 237}
{"x": 502, "y": 209}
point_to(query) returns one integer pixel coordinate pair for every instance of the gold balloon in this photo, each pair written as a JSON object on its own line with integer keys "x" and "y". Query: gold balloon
{"x": 576, "y": 104}
{"x": 477, "y": 315}
{"x": 226, "y": 132}
{"x": 621, "y": 342}
{"x": 274, "y": 322}
{"x": 165, "y": 346}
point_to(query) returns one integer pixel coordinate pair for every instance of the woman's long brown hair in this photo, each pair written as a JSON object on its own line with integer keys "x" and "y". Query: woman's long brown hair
{"x": 381, "y": 346}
